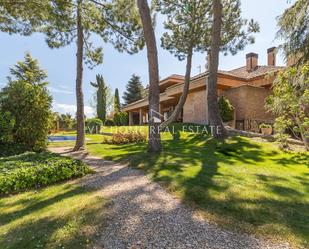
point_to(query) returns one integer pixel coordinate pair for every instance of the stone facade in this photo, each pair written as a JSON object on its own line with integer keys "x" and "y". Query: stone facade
{"x": 194, "y": 110}
{"x": 246, "y": 87}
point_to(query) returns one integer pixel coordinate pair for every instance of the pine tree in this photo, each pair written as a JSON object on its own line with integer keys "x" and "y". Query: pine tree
{"x": 227, "y": 35}
{"x": 116, "y": 101}
{"x": 190, "y": 25}
{"x": 22, "y": 17}
{"x": 154, "y": 136}
{"x": 294, "y": 30}
{"x": 70, "y": 21}
{"x": 101, "y": 97}
{"x": 134, "y": 90}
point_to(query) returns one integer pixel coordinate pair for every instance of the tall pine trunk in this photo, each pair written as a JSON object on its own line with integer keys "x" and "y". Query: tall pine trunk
{"x": 154, "y": 143}
{"x": 184, "y": 94}
{"x": 214, "y": 118}
{"x": 80, "y": 119}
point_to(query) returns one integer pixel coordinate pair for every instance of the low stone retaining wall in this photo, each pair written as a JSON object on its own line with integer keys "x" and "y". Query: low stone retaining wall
{"x": 234, "y": 132}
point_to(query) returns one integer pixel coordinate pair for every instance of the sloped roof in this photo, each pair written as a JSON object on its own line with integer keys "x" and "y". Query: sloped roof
{"x": 242, "y": 72}
{"x": 260, "y": 71}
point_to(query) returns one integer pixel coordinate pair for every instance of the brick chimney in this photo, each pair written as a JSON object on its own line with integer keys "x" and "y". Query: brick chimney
{"x": 251, "y": 61}
{"x": 271, "y": 56}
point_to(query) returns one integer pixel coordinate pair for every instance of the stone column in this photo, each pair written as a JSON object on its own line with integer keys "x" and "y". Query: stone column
{"x": 140, "y": 116}
{"x": 160, "y": 111}
{"x": 130, "y": 118}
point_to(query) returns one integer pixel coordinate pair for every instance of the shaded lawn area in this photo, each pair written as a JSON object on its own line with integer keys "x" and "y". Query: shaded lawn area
{"x": 239, "y": 183}
{"x": 59, "y": 216}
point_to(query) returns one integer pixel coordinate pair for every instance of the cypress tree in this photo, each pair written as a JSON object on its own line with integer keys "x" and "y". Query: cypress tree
{"x": 134, "y": 90}
{"x": 116, "y": 101}
{"x": 101, "y": 97}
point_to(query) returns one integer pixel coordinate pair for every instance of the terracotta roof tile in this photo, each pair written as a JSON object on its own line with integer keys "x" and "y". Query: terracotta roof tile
{"x": 243, "y": 73}
{"x": 261, "y": 70}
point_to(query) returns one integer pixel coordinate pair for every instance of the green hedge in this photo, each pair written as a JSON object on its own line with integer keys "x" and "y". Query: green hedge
{"x": 226, "y": 109}
{"x": 93, "y": 125}
{"x": 121, "y": 119}
{"x": 32, "y": 169}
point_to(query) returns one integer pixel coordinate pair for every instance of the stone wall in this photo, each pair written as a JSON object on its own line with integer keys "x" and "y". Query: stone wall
{"x": 194, "y": 110}
{"x": 249, "y": 102}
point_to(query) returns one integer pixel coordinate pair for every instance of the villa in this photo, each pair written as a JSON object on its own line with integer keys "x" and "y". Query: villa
{"x": 245, "y": 87}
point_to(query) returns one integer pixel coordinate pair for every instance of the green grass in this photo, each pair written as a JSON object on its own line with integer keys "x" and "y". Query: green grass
{"x": 59, "y": 216}
{"x": 239, "y": 183}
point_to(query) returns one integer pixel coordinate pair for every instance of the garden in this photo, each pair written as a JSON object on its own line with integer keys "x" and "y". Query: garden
{"x": 254, "y": 185}
{"x": 244, "y": 184}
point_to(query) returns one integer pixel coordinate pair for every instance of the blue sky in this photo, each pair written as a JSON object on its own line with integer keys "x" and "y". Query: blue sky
{"x": 118, "y": 67}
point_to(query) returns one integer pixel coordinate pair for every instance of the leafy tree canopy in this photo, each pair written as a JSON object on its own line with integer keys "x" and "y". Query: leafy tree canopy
{"x": 290, "y": 102}
{"x": 189, "y": 23}
{"x": 116, "y": 22}
{"x": 294, "y": 30}
{"x": 24, "y": 16}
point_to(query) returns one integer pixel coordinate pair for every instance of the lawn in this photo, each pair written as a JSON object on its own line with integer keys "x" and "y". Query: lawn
{"x": 239, "y": 183}
{"x": 59, "y": 216}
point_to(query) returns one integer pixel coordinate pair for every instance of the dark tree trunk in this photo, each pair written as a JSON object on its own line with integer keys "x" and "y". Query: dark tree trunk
{"x": 184, "y": 94}
{"x": 214, "y": 118}
{"x": 154, "y": 143}
{"x": 80, "y": 118}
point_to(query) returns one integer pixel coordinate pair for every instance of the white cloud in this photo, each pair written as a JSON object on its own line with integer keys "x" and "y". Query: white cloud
{"x": 66, "y": 108}
{"x": 58, "y": 90}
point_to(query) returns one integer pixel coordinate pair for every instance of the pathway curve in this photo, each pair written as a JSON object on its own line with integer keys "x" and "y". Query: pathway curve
{"x": 144, "y": 215}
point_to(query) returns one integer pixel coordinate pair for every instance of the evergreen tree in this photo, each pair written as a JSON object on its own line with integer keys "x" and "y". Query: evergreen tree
{"x": 294, "y": 29}
{"x": 190, "y": 26}
{"x": 70, "y": 21}
{"x": 27, "y": 99}
{"x": 134, "y": 90}
{"x": 116, "y": 102}
{"x": 229, "y": 33}
{"x": 154, "y": 136}
{"x": 101, "y": 97}
{"x": 22, "y": 17}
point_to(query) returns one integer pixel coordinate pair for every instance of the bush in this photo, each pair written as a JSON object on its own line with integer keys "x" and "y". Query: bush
{"x": 109, "y": 122}
{"x": 121, "y": 119}
{"x": 126, "y": 138}
{"x": 265, "y": 126}
{"x": 37, "y": 169}
{"x": 7, "y": 123}
{"x": 11, "y": 149}
{"x": 93, "y": 125}
{"x": 226, "y": 109}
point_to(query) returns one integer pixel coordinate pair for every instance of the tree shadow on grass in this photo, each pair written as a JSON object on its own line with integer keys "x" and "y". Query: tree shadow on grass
{"x": 271, "y": 206}
{"x": 33, "y": 225}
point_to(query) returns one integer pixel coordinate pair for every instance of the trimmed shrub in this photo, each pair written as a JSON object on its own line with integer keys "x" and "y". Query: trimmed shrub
{"x": 121, "y": 119}
{"x": 126, "y": 138}
{"x": 31, "y": 169}
{"x": 265, "y": 126}
{"x": 226, "y": 109}
{"x": 109, "y": 122}
{"x": 93, "y": 125}
{"x": 7, "y": 123}
{"x": 11, "y": 149}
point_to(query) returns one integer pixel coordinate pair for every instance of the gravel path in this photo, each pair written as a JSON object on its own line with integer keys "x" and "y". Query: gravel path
{"x": 144, "y": 215}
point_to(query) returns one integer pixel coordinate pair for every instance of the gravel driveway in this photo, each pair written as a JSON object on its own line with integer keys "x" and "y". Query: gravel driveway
{"x": 144, "y": 215}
